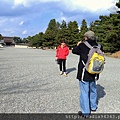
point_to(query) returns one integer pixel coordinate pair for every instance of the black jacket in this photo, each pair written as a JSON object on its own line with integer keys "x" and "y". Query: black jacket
{"x": 82, "y": 50}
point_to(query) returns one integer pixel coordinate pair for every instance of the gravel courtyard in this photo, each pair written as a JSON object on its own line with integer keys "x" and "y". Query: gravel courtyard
{"x": 30, "y": 83}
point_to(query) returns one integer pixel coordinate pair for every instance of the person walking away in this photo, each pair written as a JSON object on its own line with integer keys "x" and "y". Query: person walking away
{"x": 62, "y": 52}
{"x": 87, "y": 81}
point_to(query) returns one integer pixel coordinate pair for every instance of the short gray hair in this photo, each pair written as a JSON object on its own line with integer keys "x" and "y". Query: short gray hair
{"x": 90, "y": 35}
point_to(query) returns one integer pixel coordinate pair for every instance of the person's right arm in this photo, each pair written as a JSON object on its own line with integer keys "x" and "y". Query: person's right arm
{"x": 76, "y": 49}
{"x": 57, "y": 53}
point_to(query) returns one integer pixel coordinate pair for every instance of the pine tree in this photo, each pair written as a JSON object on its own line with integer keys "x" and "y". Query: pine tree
{"x": 83, "y": 29}
{"x": 50, "y": 34}
{"x": 73, "y": 33}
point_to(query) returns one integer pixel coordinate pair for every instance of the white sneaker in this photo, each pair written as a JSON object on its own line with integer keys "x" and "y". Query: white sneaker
{"x": 65, "y": 74}
{"x": 61, "y": 72}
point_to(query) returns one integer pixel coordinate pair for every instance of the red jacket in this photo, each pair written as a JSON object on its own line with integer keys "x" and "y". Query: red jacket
{"x": 62, "y": 53}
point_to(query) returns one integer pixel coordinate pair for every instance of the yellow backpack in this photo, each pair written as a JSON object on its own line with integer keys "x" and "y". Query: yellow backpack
{"x": 96, "y": 60}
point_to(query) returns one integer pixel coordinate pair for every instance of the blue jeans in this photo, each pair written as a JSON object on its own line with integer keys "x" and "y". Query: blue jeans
{"x": 88, "y": 96}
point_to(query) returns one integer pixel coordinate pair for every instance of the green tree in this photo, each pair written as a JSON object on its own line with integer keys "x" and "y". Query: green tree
{"x": 73, "y": 34}
{"x": 50, "y": 33}
{"x": 17, "y": 39}
{"x": 83, "y": 29}
{"x": 0, "y": 37}
{"x": 61, "y": 33}
{"x": 118, "y": 5}
{"x": 36, "y": 41}
{"x": 107, "y": 32}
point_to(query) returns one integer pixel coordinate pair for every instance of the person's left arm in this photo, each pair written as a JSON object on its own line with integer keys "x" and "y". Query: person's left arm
{"x": 67, "y": 51}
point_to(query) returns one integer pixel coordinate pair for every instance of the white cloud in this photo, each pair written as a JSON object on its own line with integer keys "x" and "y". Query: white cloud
{"x": 27, "y": 3}
{"x": 20, "y": 2}
{"x": 71, "y": 5}
{"x": 3, "y": 20}
{"x": 24, "y": 32}
{"x": 16, "y": 2}
{"x": 7, "y": 31}
{"x": 89, "y": 5}
{"x": 12, "y": 32}
{"x": 28, "y": 17}
{"x": 21, "y": 23}
{"x": 84, "y": 5}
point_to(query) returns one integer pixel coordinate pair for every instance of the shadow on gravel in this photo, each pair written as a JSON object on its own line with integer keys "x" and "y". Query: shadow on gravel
{"x": 100, "y": 91}
{"x": 70, "y": 70}
{"x": 25, "y": 88}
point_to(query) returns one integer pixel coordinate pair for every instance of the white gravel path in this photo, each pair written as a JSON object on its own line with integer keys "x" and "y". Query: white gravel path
{"x": 30, "y": 83}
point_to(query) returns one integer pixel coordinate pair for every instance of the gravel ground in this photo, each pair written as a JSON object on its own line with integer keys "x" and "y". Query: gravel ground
{"x": 30, "y": 83}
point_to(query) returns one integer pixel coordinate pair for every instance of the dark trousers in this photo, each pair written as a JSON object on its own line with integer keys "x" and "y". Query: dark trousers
{"x": 62, "y": 64}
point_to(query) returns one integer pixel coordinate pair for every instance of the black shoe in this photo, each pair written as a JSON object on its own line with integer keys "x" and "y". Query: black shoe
{"x": 93, "y": 110}
{"x": 87, "y": 116}
{"x": 80, "y": 113}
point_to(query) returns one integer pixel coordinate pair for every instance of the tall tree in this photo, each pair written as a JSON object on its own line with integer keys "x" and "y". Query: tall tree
{"x": 50, "y": 33}
{"x": 73, "y": 33}
{"x": 118, "y": 5}
{"x": 17, "y": 39}
{"x": 36, "y": 40}
{"x": 63, "y": 25}
{"x": 83, "y": 28}
{"x": 107, "y": 30}
{"x": 0, "y": 37}
{"x": 61, "y": 34}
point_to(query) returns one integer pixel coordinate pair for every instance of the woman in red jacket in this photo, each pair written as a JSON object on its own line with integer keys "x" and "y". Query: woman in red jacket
{"x": 62, "y": 52}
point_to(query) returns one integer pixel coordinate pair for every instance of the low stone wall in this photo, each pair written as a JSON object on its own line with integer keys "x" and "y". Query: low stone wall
{"x": 21, "y": 46}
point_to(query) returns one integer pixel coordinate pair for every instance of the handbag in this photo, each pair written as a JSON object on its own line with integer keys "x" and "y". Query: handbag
{"x": 58, "y": 61}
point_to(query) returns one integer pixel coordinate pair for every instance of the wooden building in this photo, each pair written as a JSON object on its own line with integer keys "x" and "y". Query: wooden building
{"x": 8, "y": 40}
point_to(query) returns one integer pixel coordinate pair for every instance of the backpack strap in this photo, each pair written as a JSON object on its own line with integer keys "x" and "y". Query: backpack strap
{"x": 88, "y": 45}
{"x": 99, "y": 45}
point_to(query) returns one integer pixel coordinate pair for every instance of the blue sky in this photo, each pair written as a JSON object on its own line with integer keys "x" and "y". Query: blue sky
{"x": 25, "y": 18}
